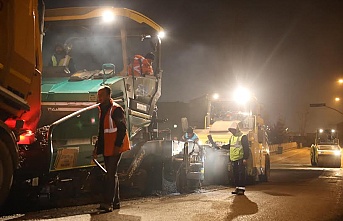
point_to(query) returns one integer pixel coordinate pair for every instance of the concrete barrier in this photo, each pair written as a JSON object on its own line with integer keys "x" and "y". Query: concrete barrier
{"x": 276, "y": 148}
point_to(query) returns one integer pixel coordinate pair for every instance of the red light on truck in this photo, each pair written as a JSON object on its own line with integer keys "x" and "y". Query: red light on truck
{"x": 27, "y": 137}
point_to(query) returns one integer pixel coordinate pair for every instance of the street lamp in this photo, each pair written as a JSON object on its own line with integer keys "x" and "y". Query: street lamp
{"x": 324, "y": 105}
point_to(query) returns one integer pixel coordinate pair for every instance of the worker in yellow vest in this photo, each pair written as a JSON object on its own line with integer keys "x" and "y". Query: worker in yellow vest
{"x": 61, "y": 58}
{"x": 239, "y": 153}
{"x": 113, "y": 140}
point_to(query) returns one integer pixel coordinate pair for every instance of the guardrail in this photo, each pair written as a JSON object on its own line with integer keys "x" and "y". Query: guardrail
{"x": 279, "y": 148}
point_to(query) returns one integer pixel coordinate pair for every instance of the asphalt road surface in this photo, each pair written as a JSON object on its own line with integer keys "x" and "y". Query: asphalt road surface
{"x": 296, "y": 191}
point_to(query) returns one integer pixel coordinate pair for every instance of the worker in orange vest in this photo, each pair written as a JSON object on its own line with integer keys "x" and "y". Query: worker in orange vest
{"x": 112, "y": 141}
{"x": 141, "y": 66}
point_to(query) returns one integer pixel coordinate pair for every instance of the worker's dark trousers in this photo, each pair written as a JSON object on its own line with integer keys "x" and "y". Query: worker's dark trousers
{"x": 111, "y": 190}
{"x": 238, "y": 173}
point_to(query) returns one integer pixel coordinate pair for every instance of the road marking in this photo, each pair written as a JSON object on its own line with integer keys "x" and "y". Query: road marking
{"x": 83, "y": 217}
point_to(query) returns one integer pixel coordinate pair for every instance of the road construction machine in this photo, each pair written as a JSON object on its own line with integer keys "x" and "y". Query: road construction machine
{"x": 221, "y": 114}
{"x": 326, "y": 150}
{"x": 49, "y": 115}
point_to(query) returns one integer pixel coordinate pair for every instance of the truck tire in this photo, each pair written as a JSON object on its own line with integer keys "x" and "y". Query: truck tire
{"x": 266, "y": 176}
{"x": 6, "y": 172}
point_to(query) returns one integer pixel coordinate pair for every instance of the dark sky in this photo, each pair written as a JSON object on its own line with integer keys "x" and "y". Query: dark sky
{"x": 289, "y": 53}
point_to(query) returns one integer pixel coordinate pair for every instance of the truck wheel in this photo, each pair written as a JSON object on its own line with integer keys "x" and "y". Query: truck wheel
{"x": 6, "y": 172}
{"x": 266, "y": 176}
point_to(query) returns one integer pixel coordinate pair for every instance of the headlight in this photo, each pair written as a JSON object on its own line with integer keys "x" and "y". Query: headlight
{"x": 337, "y": 152}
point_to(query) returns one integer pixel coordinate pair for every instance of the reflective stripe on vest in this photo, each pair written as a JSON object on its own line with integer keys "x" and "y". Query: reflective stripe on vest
{"x": 63, "y": 62}
{"x": 110, "y": 135}
{"x": 236, "y": 148}
{"x": 111, "y": 128}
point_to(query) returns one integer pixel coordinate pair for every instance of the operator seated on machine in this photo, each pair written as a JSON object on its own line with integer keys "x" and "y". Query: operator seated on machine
{"x": 141, "y": 66}
{"x": 190, "y": 135}
{"x": 62, "y": 58}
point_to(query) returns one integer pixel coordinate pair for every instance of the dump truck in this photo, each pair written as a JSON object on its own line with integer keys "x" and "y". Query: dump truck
{"x": 20, "y": 80}
{"x": 49, "y": 115}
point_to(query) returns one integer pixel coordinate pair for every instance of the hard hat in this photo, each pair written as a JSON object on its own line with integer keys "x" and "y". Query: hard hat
{"x": 150, "y": 56}
{"x": 235, "y": 126}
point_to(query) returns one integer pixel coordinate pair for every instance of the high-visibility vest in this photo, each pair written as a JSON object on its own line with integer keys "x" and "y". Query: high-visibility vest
{"x": 140, "y": 66}
{"x": 63, "y": 62}
{"x": 236, "y": 148}
{"x": 110, "y": 135}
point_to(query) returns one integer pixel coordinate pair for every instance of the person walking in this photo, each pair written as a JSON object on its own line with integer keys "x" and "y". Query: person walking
{"x": 112, "y": 141}
{"x": 239, "y": 154}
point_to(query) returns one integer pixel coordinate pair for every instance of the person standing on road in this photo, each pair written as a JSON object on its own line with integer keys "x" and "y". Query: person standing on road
{"x": 112, "y": 141}
{"x": 239, "y": 153}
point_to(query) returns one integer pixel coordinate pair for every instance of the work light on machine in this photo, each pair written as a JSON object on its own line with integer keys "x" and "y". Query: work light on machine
{"x": 108, "y": 16}
{"x": 242, "y": 95}
{"x": 215, "y": 96}
{"x": 161, "y": 34}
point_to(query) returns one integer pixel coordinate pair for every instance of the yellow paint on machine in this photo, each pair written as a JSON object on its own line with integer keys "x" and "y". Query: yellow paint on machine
{"x": 20, "y": 76}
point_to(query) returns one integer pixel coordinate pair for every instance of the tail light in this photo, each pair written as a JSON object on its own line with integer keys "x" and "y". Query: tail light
{"x": 28, "y": 137}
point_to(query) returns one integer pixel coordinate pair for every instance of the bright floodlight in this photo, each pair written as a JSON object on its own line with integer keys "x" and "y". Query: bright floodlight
{"x": 321, "y": 130}
{"x": 333, "y": 131}
{"x": 162, "y": 34}
{"x": 340, "y": 81}
{"x": 242, "y": 95}
{"x": 107, "y": 16}
{"x": 215, "y": 96}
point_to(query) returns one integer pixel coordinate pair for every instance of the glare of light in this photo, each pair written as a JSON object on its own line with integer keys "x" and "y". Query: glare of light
{"x": 107, "y": 16}
{"x": 175, "y": 125}
{"x": 340, "y": 81}
{"x": 27, "y": 137}
{"x": 241, "y": 95}
{"x": 333, "y": 131}
{"x": 161, "y": 34}
{"x": 337, "y": 99}
{"x": 215, "y": 96}
{"x": 337, "y": 152}
{"x": 92, "y": 120}
{"x": 321, "y": 130}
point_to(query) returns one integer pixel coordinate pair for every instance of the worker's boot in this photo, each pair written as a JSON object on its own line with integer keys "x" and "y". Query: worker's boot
{"x": 108, "y": 207}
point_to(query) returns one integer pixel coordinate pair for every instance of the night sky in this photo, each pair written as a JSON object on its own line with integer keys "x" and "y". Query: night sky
{"x": 288, "y": 53}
